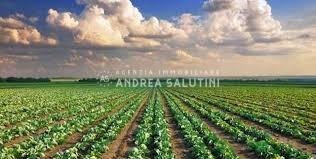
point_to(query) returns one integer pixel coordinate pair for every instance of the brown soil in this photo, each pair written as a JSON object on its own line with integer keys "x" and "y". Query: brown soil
{"x": 17, "y": 123}
{"x": 240, "y": 149}
{"x": 120, "y": 147}
{"x": 71, "y": 140}
{"x": 75, "y": 137}
{"x": 20, "y": 139}
{"x": 311, "y": 148}
{"x": 16, "y": 141}
{"x": 42, "y": 115}
{"x": 179, "y": 147}
{"x": 297, "y": 143}
{"x": 249, "y": 102}
{"x": 240, "y": 101}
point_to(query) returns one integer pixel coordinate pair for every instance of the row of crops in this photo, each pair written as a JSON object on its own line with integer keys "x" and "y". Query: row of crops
{"x": 73, "y": 122}
{"x": 284, "y": 123}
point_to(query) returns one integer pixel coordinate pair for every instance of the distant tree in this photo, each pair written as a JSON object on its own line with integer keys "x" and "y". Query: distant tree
{"x": 26, "y": 80}
{"x": 44, "y": 79}
{"x": 94, "y": 80}
{"x": 11, "y": 79}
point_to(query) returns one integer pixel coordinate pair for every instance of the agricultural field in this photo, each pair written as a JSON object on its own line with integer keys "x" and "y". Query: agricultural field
{"x": 64, "y": 121}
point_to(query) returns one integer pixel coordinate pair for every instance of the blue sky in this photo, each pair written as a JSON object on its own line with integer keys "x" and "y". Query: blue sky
{"x": 165, "y": 9}
{"x": 63, "y": 38}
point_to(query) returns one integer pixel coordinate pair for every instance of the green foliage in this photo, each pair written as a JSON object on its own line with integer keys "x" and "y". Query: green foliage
{"x": 259, "y": 141}
{"x": 100, "y": 114}
{"x": 24, "y": 80}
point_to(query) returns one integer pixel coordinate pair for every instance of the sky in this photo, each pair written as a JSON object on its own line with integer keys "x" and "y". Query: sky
{"x": 81, "y": 38}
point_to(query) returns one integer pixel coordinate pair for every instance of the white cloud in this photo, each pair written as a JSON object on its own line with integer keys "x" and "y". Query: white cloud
{"x": 14, "y": 31}
{"x": 189, "y": 23}
{"x": 241, "y": 20}
{"x": 91, "y": 28}
{"x": 183, "y": 58}
{"x": 118, "y": 23}
{"x": 112, "y": 23}
{"x": 65, "y": 20}
{"x": 237, "y": 35}
{"x": 95, "y": 29}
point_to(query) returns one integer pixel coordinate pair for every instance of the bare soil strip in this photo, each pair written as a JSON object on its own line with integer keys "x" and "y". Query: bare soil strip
{"x": 17, "y": 123}
{"x": 71, "y": 140}
{"x": 311, "y": 148}
{"x": 312, "y": 114}
{"x": 75, "y": 137}
{"x": 240, "y": 149}
{"x": 20, "y": 139}
{"x": 120, "y": 147}
{"x": 43, "y": 115}
{"x": 179, "y": 147}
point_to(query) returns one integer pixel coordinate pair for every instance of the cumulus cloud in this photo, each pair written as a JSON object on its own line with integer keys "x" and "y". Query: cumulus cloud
{"x": 120, "y": 24}
{"x": 183, "y": 58}
{"x": 154, "y": 28}
{"x": 91, "y": 28}
{"x": 64, "y": 20}
{"x": 114, "y": 33}
{"x": 14, "y": 31}
{"x": 95, "y": 28}
{"x": 142, "y": 42}
{"x": 112, "y": 23}
{"x": 188, "y": 23}
{"x": 241, "y": 20}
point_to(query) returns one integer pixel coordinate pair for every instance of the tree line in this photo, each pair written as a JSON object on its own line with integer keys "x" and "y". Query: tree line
{"x": 23, "y": 80}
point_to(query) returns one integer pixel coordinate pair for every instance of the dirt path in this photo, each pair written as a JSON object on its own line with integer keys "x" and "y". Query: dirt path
{"x": 39, "y": 131}
{"x": 75, "y": 137}
{"x": 261, "y": 105}
{"x": 120, "y": 147}
{"x": 20, "y": 139}
{"x": 179, "y": 148}
{"x": 240, "y": 149}
{"x": 35, "y": 117}
{"x": 311, "y": 148}
{"x": 45, "y": 115}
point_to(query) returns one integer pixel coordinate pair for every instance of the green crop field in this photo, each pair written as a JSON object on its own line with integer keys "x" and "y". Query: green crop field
{"x": 71, "y": 120}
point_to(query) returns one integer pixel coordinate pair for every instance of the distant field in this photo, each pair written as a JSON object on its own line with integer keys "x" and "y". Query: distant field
{"x": 84, "y": 120}
{"x": 64, "y": 79}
